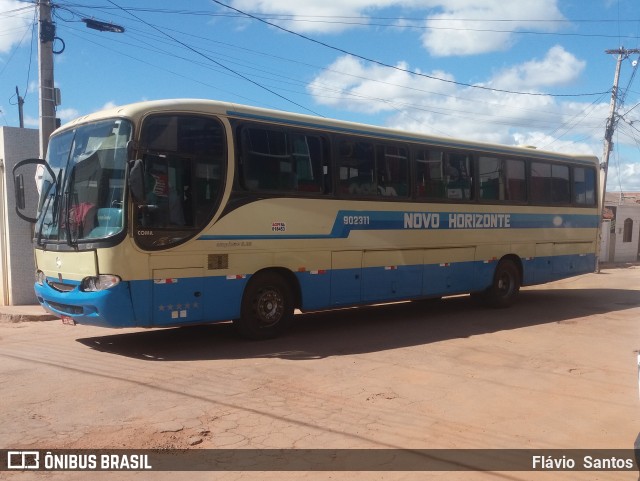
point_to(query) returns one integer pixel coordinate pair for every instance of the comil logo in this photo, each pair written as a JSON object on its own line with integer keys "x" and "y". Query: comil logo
{"x": 23, "y": 460}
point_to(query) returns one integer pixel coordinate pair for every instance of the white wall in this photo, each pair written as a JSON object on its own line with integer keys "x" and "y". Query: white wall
{"x": 16, "y": 247}
{"x": 627, "y": 251}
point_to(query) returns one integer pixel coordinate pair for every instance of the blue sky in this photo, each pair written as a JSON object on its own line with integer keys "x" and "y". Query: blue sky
{"x": 456, "y": 68}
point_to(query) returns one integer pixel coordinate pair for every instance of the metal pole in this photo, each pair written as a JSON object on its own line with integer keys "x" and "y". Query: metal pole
{"x": 46, "y": 34}
{"x": 20, "y": 108}
{"x": 611, "y": 121}
{"x": 608, "y": 137}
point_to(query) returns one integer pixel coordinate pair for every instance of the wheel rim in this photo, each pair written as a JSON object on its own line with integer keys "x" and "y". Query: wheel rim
{"x": 505, "y": 284}
{"x": 269, "y": 307}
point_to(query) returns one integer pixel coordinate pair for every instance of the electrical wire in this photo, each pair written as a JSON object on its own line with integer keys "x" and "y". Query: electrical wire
{"x": 220, "y": 64}
{"x": 395, "y": 67}
{"x": 432, "y": 110}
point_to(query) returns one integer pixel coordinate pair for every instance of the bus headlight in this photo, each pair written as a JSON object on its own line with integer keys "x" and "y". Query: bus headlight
{"x": 99, "y": 283}
{"x": 40, "y": 277}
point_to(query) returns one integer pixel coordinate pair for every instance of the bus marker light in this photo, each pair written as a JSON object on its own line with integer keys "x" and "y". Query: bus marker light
{"x": 390, "y": 268}
{"x": 319, "y": 271}
{"x": 236, "y": 276}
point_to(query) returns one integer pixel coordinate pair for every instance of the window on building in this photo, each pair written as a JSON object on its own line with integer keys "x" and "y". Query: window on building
{"x": 627, "y": 232}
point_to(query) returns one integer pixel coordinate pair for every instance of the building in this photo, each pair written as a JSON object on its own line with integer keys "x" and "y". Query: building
{"x": 16, "y": 247}
{"x": 621, "y": 227}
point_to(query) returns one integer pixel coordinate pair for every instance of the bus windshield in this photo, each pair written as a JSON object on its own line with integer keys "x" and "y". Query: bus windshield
{"x": 84, "y": 203}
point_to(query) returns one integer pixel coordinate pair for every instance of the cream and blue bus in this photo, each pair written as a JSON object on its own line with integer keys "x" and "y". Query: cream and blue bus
{"x": 176, "y": 212}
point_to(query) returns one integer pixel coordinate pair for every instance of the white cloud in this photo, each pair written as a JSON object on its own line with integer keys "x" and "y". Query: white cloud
{"x": 109, "y": 105}
{"x": 348, "y": 82}
{"x": 311, "y": 15}
{"x": 15, "y": 21}
{"x": 449, "y": 32}
{"x": 626, "y": 175}
{"x": 67, "y": 114}
{"x": 420, "y": 104}
{"x": 558, "y": 67}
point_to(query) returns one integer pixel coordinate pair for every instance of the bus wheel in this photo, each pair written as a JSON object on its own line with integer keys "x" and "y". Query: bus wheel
{"x": 267, "y": 307}
{"x": 506, "y": 285}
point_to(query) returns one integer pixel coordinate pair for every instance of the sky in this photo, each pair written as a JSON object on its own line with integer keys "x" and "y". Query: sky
{"x": 523, "y": 72}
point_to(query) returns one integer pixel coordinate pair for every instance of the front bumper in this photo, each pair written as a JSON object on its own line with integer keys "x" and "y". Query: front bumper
{"x": 108, "y": 308}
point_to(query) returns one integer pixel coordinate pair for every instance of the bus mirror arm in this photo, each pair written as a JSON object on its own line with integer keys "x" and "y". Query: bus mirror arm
{"x": 136, "y": 180}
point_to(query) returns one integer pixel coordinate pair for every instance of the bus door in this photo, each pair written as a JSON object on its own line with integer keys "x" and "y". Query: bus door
{"x": 177, "y": 296}
{"x": 346, "y": 277}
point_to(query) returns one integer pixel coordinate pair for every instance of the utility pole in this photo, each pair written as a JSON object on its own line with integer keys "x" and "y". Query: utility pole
{"x": 20, "y": 108}
{"x": 622, "y": 53}
{"x": 46, "y": 35}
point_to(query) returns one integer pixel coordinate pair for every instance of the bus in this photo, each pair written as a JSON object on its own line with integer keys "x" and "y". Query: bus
{"x": 176, "y": 212}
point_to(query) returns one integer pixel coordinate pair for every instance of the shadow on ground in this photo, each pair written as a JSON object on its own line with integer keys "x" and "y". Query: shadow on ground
{"x": 367, "y": 329}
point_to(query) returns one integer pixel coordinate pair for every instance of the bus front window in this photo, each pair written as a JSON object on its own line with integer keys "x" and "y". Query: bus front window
{"x": 84, "y": 203}
{"x": 183, "y": 158}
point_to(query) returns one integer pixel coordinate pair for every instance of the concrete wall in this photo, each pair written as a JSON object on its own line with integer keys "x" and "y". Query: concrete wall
{"x": 16, "y": 247}
{"x": 627, "y": 251}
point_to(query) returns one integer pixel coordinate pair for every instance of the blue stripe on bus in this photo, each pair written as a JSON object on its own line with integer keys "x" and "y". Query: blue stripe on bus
{"x": 350, "y": 220}
{"x": 173, "y": 303}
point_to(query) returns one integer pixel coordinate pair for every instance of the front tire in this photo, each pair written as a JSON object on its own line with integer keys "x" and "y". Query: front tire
{"x": 506, "y": 285}
{"x": 267, "y": 307}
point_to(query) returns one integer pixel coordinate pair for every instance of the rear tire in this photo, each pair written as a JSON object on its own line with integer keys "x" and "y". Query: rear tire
{"x": 267, "y": 307}
{"x": 506, "y": 285}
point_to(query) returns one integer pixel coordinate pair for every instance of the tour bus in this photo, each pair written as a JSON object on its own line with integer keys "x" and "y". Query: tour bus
{"x": 176, "y": 212}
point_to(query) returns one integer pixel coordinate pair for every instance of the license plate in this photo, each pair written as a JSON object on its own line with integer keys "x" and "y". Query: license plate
{"x": 66, "y": 320}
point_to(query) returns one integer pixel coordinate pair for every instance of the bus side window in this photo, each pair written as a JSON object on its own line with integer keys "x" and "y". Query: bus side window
{"x": 266, "y": 164}
{"x": 584, "y": 186}
{"x": 502, "y": 179}
{"x": 308, "y": 154}
{"x": 282, "y": 160}
{"x": 560, "y": 186}
{"x": 392, "y": 167}
{"x": 550, "y": 183}
{"x": 516, "y": 182}
{"x": 357, "y": 168}
{"x": 458, "y": 175}
{"x": 491, "y": 175}
{"x": 429, "y": 174}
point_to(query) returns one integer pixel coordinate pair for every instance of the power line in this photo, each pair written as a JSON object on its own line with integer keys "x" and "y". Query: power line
{"x": 440, "y": 110}
{"x": 395, "y": 67}
{"x": 221, "y": 65}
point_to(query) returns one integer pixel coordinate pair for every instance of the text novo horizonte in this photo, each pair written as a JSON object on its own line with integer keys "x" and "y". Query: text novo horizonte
{"x": 432, "y": 220}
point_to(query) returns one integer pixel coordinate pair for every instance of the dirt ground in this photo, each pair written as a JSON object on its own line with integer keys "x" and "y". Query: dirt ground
{"x": 556, "y": 371}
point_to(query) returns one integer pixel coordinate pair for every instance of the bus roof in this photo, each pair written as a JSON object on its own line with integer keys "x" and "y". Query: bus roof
{"x": 135, "y": 111}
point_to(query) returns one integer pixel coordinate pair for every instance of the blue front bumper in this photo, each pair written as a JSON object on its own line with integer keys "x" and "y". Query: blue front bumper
{"x": 108, "y": 308}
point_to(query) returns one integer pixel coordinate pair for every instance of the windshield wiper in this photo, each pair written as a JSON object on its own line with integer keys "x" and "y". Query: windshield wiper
{"x": 67, "y": 210}
{"x": 43, "y": 213}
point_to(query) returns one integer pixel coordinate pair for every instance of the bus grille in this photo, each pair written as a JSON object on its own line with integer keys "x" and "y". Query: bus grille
{"x": 66, "y": 308}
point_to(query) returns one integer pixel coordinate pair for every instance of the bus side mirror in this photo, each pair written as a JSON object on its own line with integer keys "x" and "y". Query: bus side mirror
{"x": 26, "y": 197}
{"x": 136, "y": 180}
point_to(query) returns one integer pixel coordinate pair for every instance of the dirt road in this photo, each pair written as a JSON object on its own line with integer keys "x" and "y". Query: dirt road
{"x": 558, "y": 370}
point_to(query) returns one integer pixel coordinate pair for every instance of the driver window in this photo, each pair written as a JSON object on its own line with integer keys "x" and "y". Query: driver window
{"x": 183, "y": 159}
